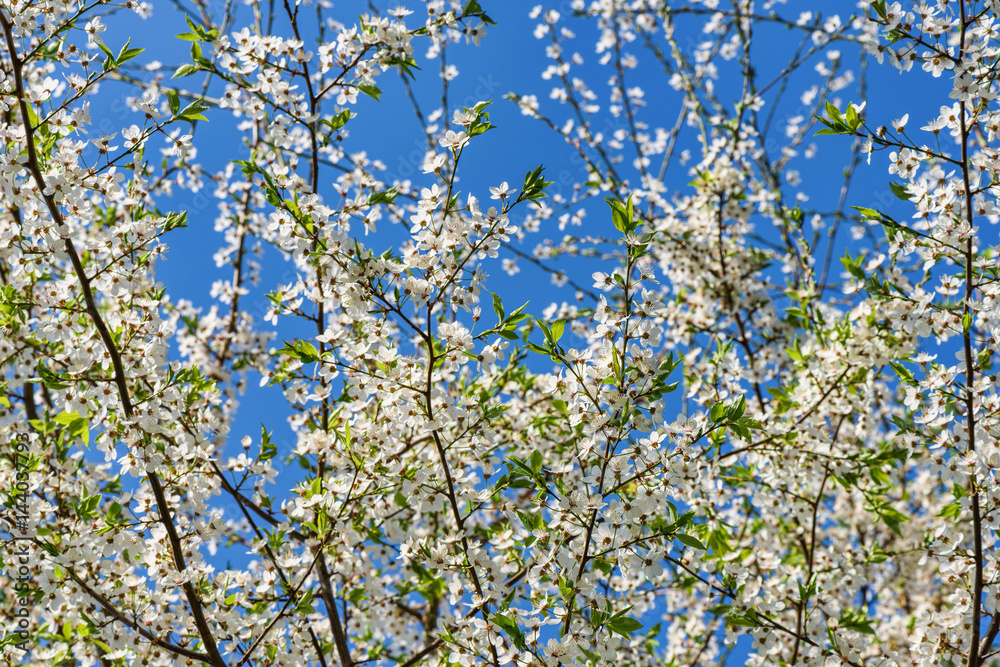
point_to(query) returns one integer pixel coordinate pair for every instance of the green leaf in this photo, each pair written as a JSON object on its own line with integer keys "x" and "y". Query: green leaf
{"x": 192, "y": 112}
{"x": 868, "y": 213}
{"x": 794, "y": 353}
{"x": 371, "y": 91}
{"x": 268, "y": 449}
{"x": 899, "y": 190}
{"x": 833, "y": 112}
{"x": 624, "y": 625}
{"x": 51, "y": 380}
{"x": 534, "y": 185}
{"x": 690, "y": 541}
{"x": 301, "y": 350}
{"x": 197, "y": 57}
{"x": 904, "y": 373}
{"x": 852, "y": 117}
{"x": 534, "y": 347}
{"x": 518, "y": 315}
{"x": 498, "y": 308}
{"x": 509, "y": 625}
{"x": 175, "y": 220}
{"x": 186, "y": 69}
{"x": 893, "y": 518}
{"x": 337, "y": 121}
{"x": 66, "y": 418}
{"x": 385, "y": 197}
{"x": 603, "y": 565}
{"x": 746, "y": 618}
{"x": 173, "y": 101}
{"x": 535, "y": 461}
{"x": 737, "y": 410}
{"x": 557, "y": 330}
{"x": 853, "y": 266}
{"x": 127, "y": 54}
{"x": 951, "y": 510}
{"x": 878, "y": 556}
{"x": 617, "y": 215}
{"x": 530, "y": 521}
{"x": 198, "y": 32}
{"x": 857, "y": 620}
{"x": 546, "y": 329}
{"x": 481, "y": 123}
{"x": 114, "y": 513}
{"x": 87, "y": 506}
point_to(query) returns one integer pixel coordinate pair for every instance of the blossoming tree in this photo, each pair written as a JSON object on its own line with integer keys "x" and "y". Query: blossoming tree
{"x": 476, "y": 483}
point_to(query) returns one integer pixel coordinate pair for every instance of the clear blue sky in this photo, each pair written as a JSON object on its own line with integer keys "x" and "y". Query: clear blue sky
{"x": 509, "y": 59}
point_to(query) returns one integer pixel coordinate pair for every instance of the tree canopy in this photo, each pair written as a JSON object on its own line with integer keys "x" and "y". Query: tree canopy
{"x": 473, "y": 481}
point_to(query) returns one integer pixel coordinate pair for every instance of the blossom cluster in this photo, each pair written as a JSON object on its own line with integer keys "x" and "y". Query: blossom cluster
{"x": 470, "y": 483}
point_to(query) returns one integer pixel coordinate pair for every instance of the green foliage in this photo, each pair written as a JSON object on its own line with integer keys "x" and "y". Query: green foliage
{"x": 534, "y": 186}
{"x": 112, "y": 61}
{"x": 837, "y": 123}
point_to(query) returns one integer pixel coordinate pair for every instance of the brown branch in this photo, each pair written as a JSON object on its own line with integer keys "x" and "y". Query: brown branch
{"x": 215, "y": 658}
{"x": 801, "y": 419}
{"x": 244, "y": 501}
{"x": 991, "y": 635}
{"x": 243, "y": 504}
{"x": 452, "y": 499}
{"x": 423, "y": 653}
{"x": 292, "y": 594}
{"x": 111, "y": 610}
{"x": 970, "y": 373}
{"x": 326, "y": 591}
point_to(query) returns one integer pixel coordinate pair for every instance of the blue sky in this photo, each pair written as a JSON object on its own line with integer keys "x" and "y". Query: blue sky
{"x": 509, "y": 59}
